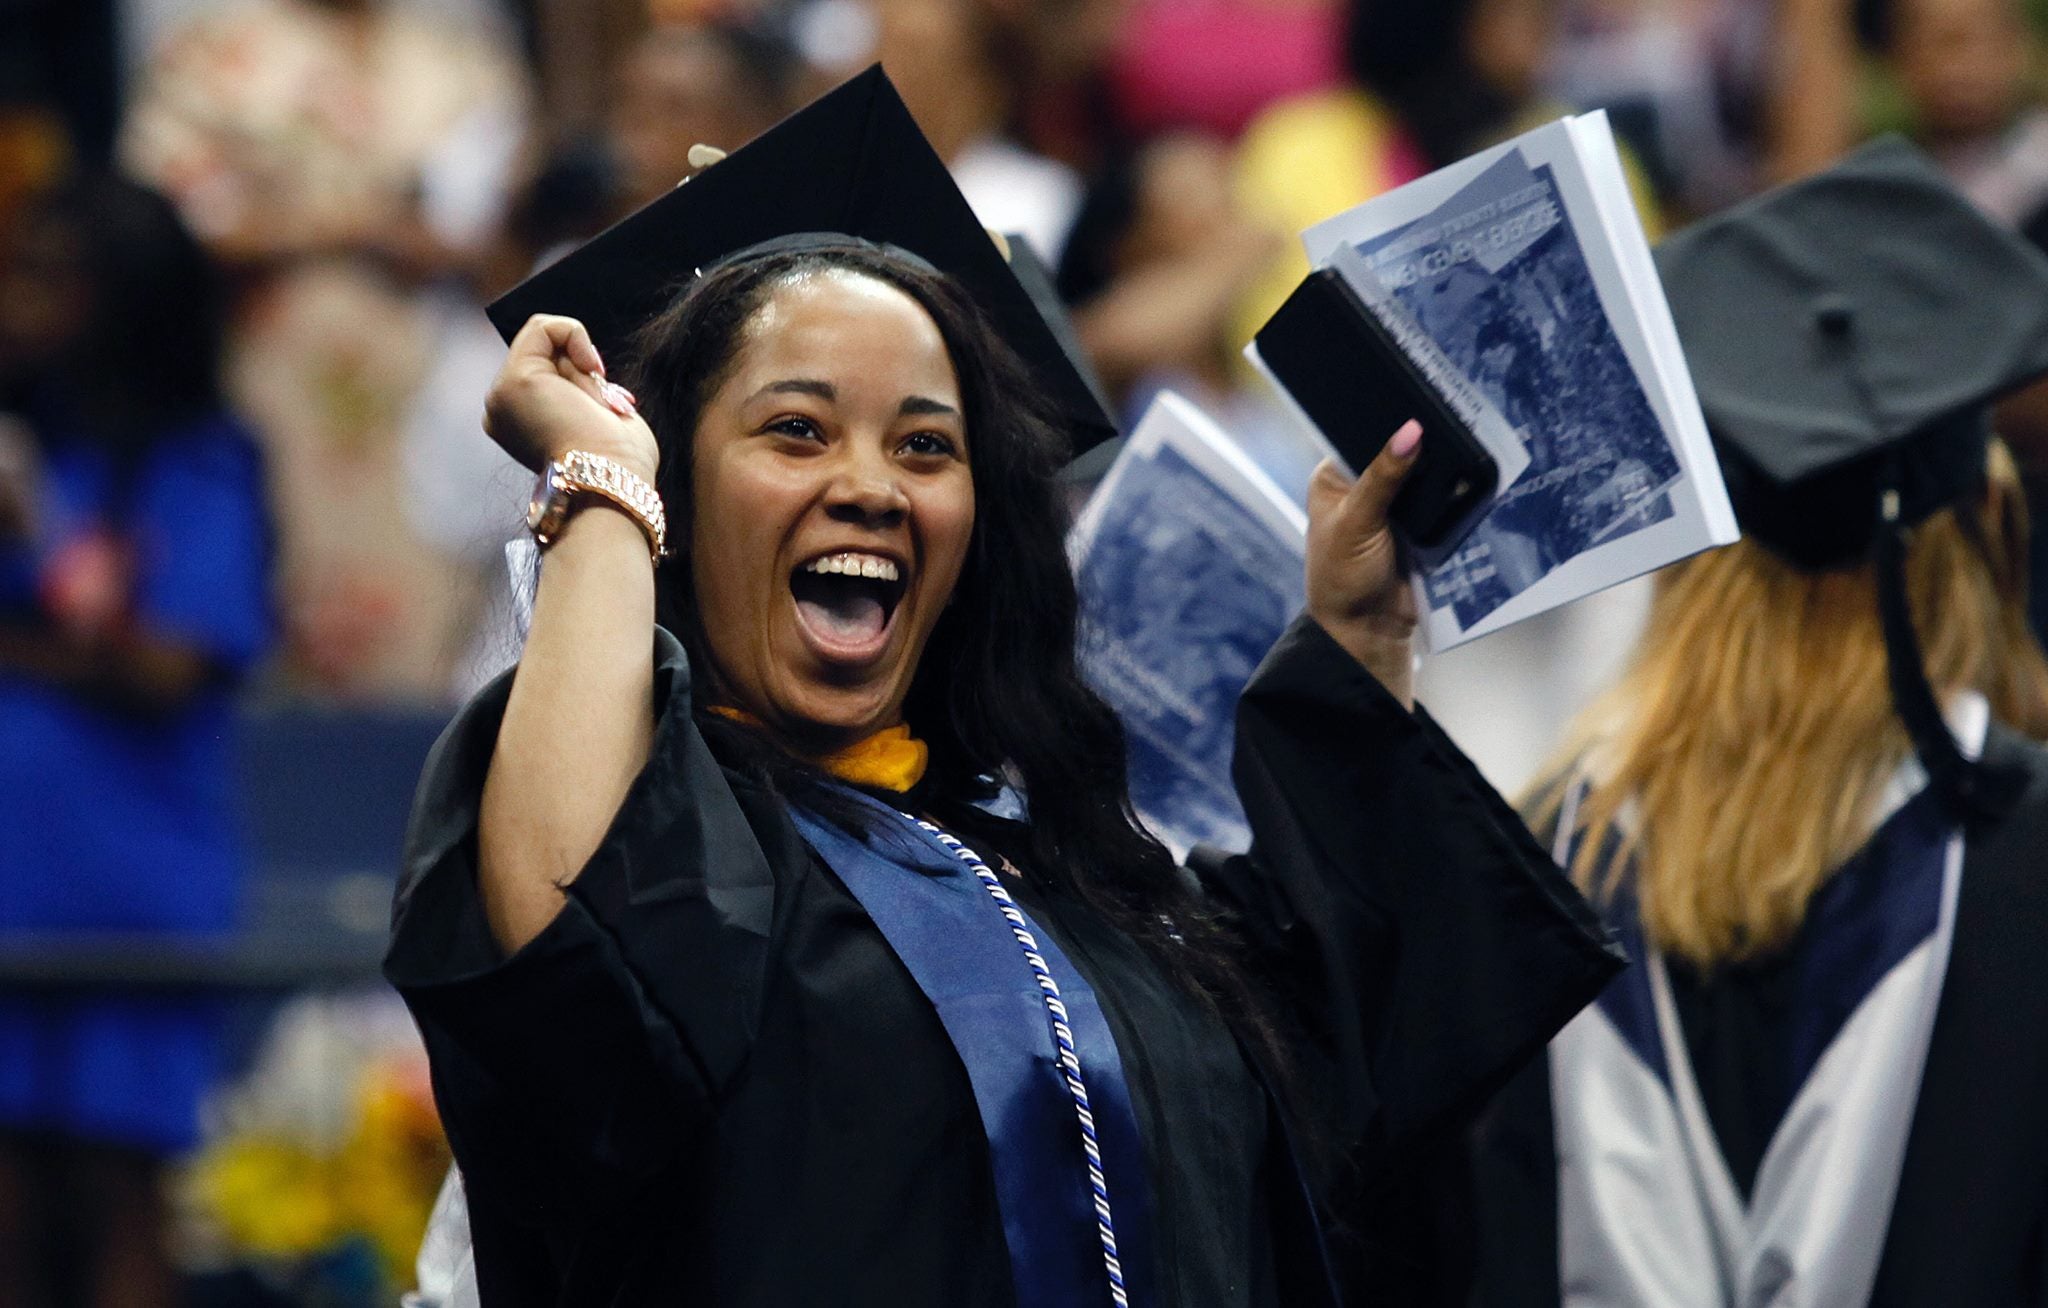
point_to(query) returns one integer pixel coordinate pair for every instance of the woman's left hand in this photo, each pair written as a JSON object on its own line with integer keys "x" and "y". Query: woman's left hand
{"x": 1356, "y": 591}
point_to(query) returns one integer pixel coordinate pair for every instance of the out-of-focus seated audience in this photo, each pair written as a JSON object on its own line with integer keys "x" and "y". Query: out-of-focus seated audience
{"x": 135, "y": 548}
{"x": 342, "y": 156}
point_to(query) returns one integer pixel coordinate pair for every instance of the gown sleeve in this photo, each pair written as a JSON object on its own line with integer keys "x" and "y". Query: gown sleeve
{"x": 1430, "y": 944}
{"x": 583, "y": 1063}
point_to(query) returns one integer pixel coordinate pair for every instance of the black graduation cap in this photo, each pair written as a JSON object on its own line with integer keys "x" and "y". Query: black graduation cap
{"x": 1847, "y": 334}
{"x": 852, "y": 163}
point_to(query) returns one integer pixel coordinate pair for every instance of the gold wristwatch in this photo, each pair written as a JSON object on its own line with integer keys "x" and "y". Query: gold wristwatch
{"x": 577, "y": 478}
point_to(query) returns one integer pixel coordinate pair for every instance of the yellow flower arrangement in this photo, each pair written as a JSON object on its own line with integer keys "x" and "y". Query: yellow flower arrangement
{"x": 275, "y": 1197}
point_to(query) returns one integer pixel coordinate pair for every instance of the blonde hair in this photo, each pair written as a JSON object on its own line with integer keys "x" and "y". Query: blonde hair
{"x": 1742, "y": 755}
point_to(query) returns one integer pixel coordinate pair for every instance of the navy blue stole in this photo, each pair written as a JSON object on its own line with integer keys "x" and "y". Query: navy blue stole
{"x": 1868, "y": 916}
{"x": 953, "y": 939}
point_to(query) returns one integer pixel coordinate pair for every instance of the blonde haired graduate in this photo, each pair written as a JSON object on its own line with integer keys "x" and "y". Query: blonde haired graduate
{"x": 1816, "y": 808}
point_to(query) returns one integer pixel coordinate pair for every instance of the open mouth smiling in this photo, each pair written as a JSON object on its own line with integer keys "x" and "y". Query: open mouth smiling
{"x": 845, "y": 602}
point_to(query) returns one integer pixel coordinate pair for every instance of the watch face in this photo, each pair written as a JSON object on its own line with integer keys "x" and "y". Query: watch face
{"x": 544, "y": 509}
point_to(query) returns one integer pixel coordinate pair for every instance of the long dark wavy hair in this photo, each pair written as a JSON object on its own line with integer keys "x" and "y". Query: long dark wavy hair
{"x": 998, "y": 696}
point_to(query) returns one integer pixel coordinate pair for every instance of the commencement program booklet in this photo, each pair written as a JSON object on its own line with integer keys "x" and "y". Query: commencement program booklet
{"x": 1189, "y": 563}
{"x": 1527, "y": 268}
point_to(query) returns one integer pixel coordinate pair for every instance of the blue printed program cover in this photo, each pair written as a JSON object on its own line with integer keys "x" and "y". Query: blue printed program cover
{"x": 1497, "y": 277}
{"x": 1527, "y": 267}
{"x": 1189, "y": 564}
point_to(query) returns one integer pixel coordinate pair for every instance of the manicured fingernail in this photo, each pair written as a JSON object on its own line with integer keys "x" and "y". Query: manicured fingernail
{"x": 619, "y": 398}
{"x": 598, "y": 371}
{"x": 1405, "y": 440}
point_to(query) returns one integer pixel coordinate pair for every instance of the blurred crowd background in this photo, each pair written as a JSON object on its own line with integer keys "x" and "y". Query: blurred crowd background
{"x": 253, "y": 539}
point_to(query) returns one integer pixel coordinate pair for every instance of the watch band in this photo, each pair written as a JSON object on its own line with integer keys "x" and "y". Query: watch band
{"x": 578, "y": 478}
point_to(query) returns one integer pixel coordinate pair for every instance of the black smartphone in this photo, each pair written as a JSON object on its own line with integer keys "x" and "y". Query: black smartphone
{"x": 1345, "y": 371}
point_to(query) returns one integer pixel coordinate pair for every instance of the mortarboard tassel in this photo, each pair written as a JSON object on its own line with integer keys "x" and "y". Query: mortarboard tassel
{"x": 1974, "y": 792}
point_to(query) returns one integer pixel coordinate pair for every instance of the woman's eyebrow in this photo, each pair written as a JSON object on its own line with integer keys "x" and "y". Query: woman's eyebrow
{"x": 925, "y": 406}
{"x": 824, "y": 390}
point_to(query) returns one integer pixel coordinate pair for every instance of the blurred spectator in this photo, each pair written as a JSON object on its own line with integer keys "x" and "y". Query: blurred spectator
{"x": 1160, "y": 255}
{"x": 1213, "y": 65}
{"x": 34, "y": 148}
{"x": 1717, "y": 98}
{"x": 1055, "y": 56}
{"x": 134, "y": 550}
{"x": 1682, "y": 82}
{"x": 342, "y": 154}
{"x": 954, "y": 67}
{"x": 718, "y": 83}
{"x": 1811, "y": 71}
{"x": 1456, "y": 75}
{"x": 1157, "y": 255}
{"x": 1963, "y": 68}
{"x": 1965, "y": 71}
{"x": 287, "y": 129}
{"x": 62, "y": 56}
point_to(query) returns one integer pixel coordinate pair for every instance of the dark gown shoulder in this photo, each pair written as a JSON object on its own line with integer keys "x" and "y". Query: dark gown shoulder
{"x": 1970, "y": 1224}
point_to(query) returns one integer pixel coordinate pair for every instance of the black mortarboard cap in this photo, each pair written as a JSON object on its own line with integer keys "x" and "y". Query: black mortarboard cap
{"x": 1847, "y": 334}
{"x": 851, "y": 163}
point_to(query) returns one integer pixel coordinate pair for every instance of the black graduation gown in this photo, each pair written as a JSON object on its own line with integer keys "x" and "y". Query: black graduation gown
{"x": 709, "y": 1080}
{"x": 1969, "y": 1225}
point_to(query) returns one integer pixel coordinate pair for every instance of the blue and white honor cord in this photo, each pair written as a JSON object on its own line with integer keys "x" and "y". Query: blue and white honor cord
{"x": 1063, "y": 1035}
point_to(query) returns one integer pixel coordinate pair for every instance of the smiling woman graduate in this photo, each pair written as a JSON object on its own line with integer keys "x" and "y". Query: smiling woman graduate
{"x": 735, "y": 991}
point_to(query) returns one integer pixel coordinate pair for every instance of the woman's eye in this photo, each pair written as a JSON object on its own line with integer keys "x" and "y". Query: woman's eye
{"x": 802, "y": 429}
{"x": 928, "y": 442}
